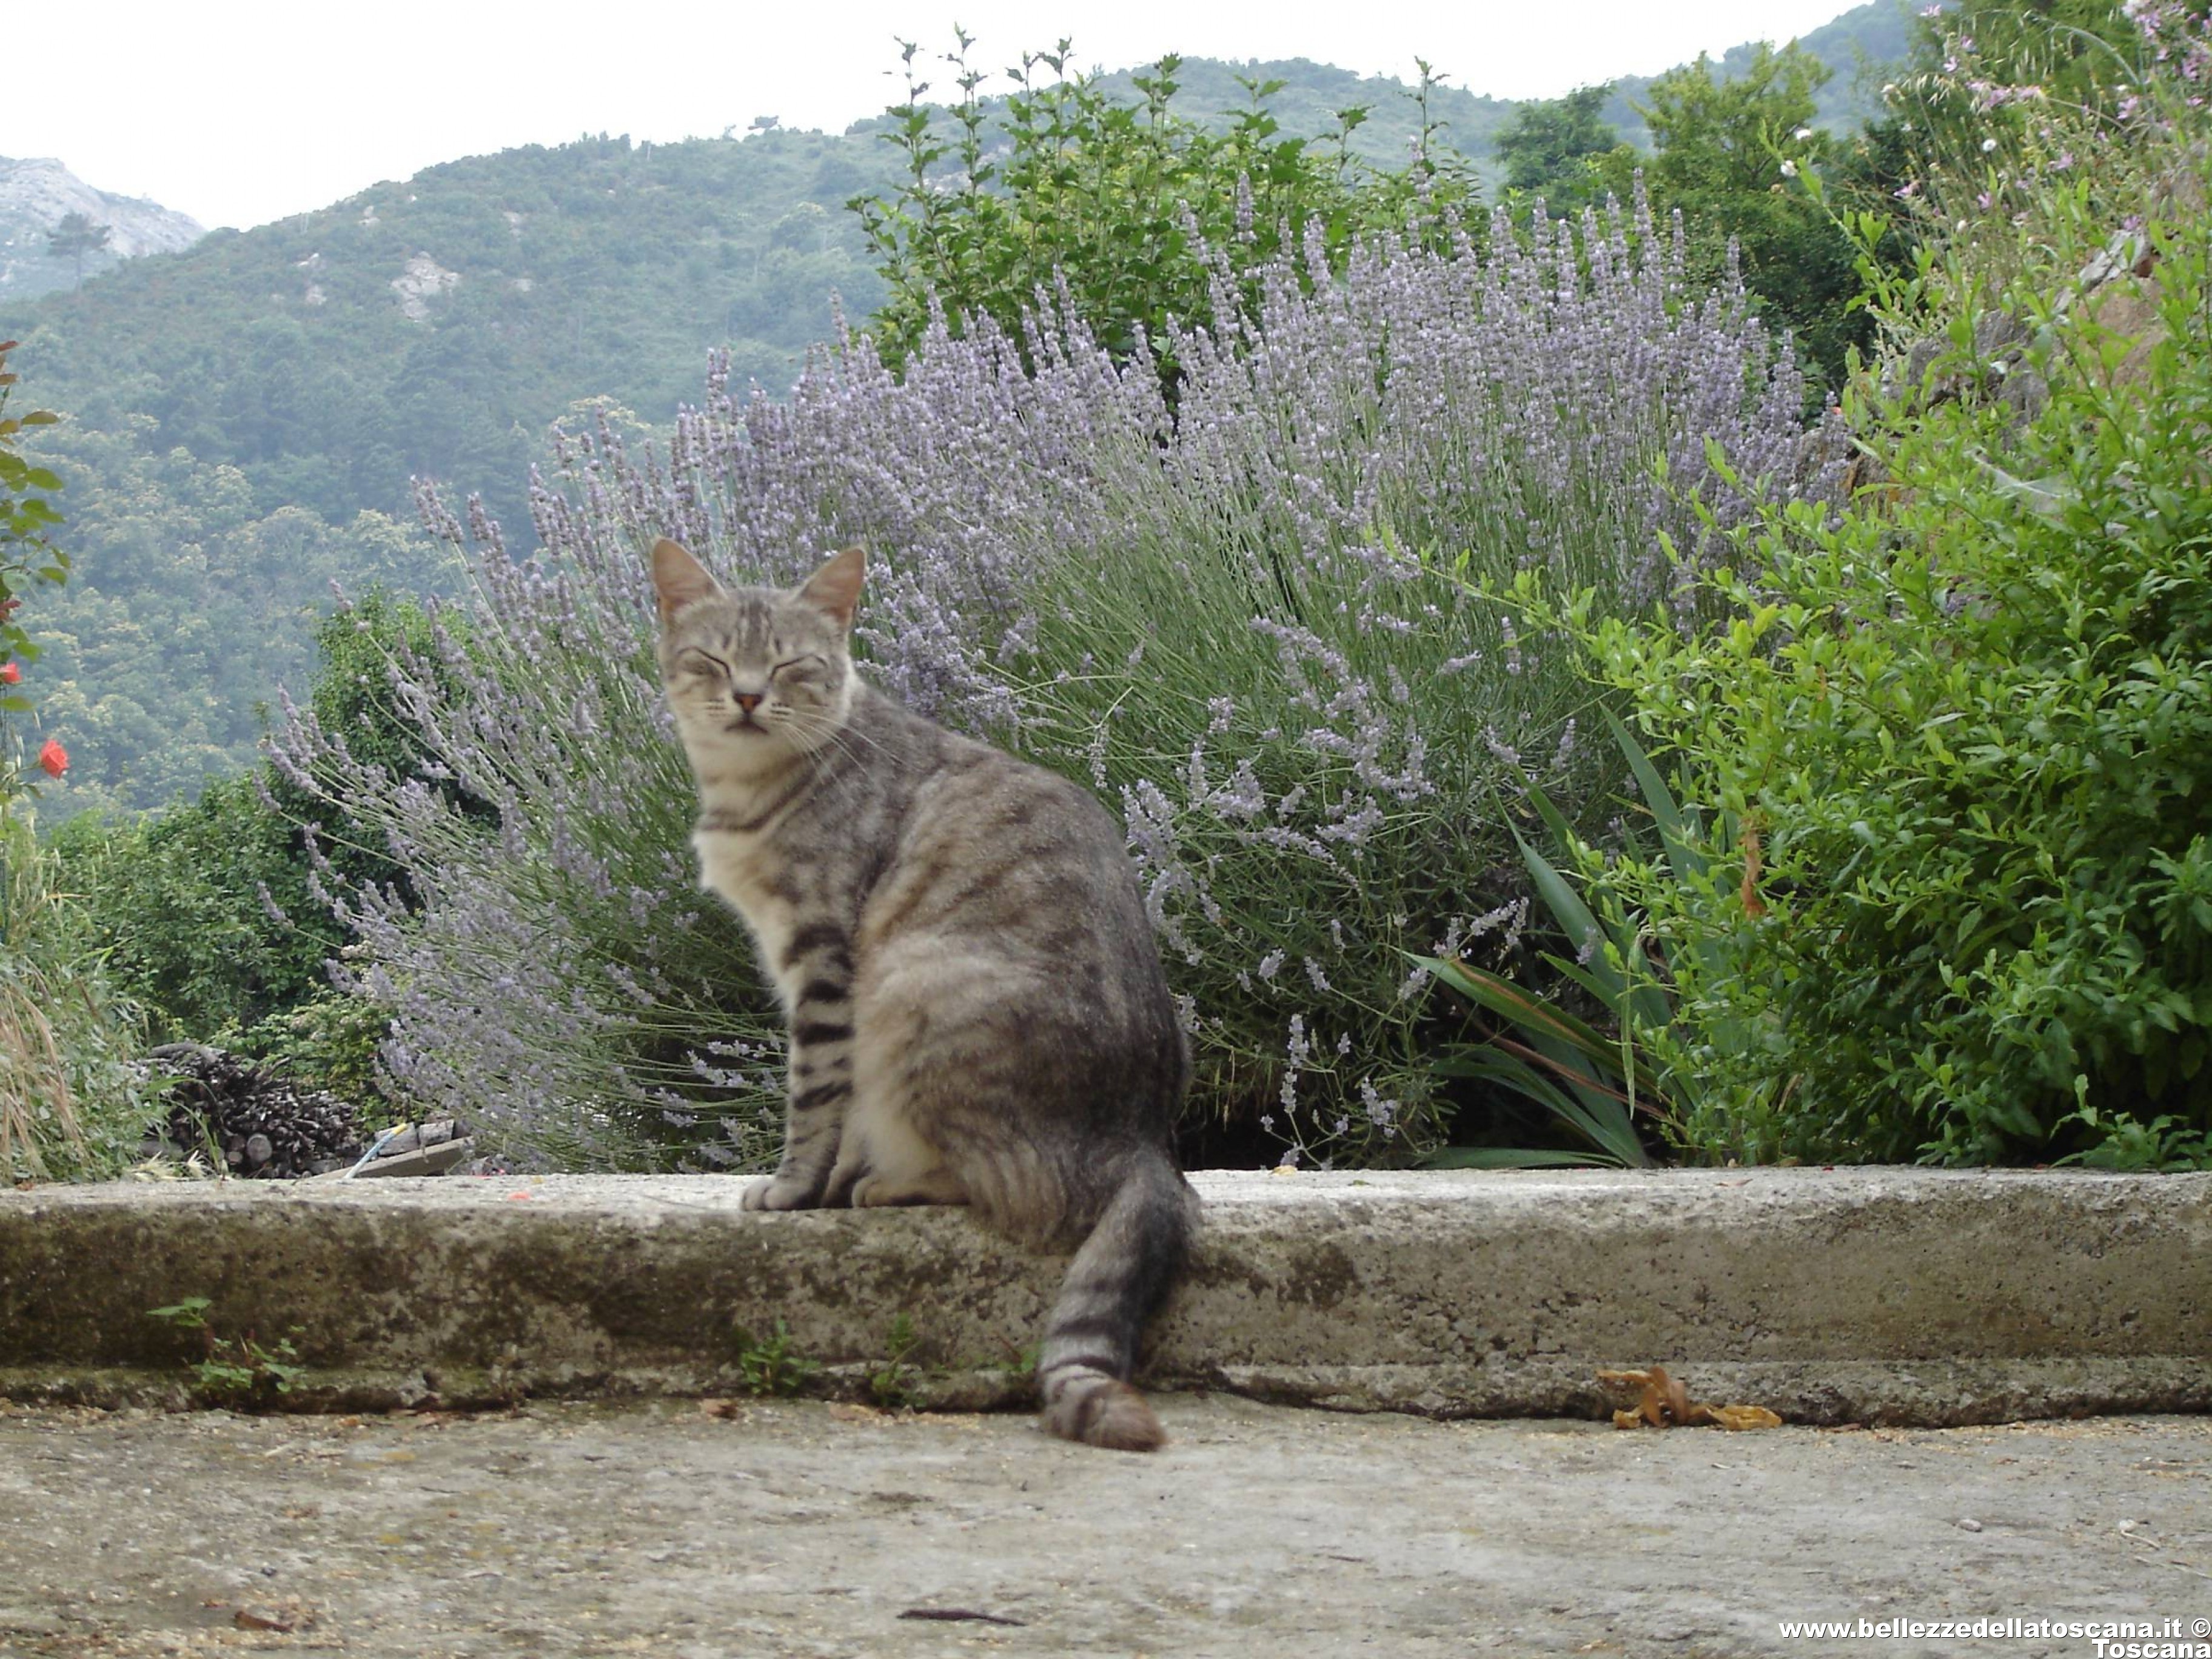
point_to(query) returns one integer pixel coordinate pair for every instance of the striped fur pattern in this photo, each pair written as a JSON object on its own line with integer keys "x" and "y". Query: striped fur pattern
{"x": 976, "y": 1008}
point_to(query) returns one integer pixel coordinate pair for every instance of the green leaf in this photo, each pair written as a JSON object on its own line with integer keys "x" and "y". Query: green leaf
{"x": 1585, "y": 1103}
{"x": 1689, "y": 863}
{"x": 1574, "y": 917}
{"x": 1503, "y": 996}
{"x": 1512, "y": 1158}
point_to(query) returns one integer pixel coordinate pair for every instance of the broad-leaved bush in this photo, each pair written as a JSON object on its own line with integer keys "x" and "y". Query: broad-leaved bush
{"x": 1956, "y": 743}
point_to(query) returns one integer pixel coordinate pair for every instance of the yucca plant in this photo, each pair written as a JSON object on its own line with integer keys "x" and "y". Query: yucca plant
{"x": 1595, "y": 1085}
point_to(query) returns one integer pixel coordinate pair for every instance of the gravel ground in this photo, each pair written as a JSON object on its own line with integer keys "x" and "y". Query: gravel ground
{"x": 801, "y": 1528}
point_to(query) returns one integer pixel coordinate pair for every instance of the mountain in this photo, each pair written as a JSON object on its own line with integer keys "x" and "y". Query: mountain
{"x": 436, "y": 326}
{"x": 37, "y": 195}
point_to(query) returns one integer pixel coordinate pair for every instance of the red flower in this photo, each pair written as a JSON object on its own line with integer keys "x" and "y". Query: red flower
{"x": 53, "y": 758}
{"x": 11, "y": 673}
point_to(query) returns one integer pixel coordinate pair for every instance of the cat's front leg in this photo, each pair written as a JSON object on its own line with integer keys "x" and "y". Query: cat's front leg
{"x": 813, "y": 1124}
{"x": 817, "y": 964}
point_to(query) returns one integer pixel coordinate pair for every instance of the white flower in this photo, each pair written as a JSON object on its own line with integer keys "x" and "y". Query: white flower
{"x": 1802, "y": 134}
{"x": 1988, "y": 145}
{"x": 1790, "y": 169}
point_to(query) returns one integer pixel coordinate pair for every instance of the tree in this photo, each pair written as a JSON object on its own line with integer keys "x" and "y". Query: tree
{"x": 1728, "y": 150}
{"x": 74, "y": 237}
{"x": 1124, "y": 209}
{"x": 1551, "y": 146}
{"x": 1724, "y": 140}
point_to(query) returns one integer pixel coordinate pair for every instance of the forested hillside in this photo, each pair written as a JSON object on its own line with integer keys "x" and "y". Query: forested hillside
{"x": 435, "y": 326}
{"x": 245, "y": 417}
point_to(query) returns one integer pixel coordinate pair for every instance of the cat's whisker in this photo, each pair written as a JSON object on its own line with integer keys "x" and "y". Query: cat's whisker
{"x": 843, "y": 738}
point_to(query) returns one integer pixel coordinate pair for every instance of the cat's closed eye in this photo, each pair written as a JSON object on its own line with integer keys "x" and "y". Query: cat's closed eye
{"x": 702, "y": 665}
{"x": 802, "y": 668}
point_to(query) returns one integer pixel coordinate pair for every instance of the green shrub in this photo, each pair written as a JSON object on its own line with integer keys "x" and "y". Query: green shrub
{"x": 1132, "y": 216}
{"x": 178, "y": 899}
{"x": 207, "y": 914}
{"x": 74, "y": 1103}
{"x": 1962, "y": 736}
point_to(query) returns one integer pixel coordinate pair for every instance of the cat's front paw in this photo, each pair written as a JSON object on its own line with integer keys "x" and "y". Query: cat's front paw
{"x": 780, "y": 1192}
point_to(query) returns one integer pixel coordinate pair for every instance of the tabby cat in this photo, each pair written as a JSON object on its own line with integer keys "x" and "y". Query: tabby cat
{"x": 977, "y": 1013}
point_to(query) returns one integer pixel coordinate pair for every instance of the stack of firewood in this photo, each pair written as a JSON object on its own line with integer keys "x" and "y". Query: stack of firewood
{"x": 255, "y": 1122}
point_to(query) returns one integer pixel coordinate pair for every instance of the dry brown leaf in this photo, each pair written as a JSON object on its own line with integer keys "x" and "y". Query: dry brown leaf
{"x": 1753, "y": 906}
{"x": 284, "y": 1620}
{"x": 1664, "y": 1403}
{"x": 1743, "y": 1417}
{"x": 722, "y": 1408}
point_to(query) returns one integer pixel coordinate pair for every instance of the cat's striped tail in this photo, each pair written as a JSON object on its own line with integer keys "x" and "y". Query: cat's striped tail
{"x": 1116, "y": 1279}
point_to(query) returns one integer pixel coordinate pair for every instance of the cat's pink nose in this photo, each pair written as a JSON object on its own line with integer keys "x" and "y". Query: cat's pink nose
{"x": 746, "y": 700}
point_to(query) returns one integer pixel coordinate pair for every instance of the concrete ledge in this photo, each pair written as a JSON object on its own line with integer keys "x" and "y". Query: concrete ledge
{"x": 1874, "y": 1295}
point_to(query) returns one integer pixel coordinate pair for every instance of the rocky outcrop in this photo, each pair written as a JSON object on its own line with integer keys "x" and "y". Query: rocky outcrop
{"x": 38, "y": 194}
{"x": 423, "y": 281}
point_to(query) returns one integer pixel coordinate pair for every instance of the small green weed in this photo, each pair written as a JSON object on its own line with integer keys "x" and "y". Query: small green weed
{"x": 234, "y": 1370}
{"x": 1020, "y": 1364}
{"x": 891, "y": 1384}
{"x": 771, "y": 1366}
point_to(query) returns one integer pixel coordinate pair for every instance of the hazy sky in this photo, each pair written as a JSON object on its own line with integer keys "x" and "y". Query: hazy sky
{"x": 239, "y": 111}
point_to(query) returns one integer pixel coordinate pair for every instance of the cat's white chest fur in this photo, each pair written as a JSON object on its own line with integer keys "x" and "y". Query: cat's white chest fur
{"x": 732, "y": 864}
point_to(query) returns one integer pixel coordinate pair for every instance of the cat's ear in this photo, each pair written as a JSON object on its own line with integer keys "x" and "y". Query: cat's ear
{"x": 836, "y": 588}
{"x": 679, "y": 578}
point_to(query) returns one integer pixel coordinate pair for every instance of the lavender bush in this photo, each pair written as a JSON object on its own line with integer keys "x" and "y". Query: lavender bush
{"x": 1252, "y": 622}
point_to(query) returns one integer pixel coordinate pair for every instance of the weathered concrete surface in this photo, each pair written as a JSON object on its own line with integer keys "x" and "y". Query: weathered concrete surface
{"x": 1881, "y": 1295}
{"x": 802, "y": 1528}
